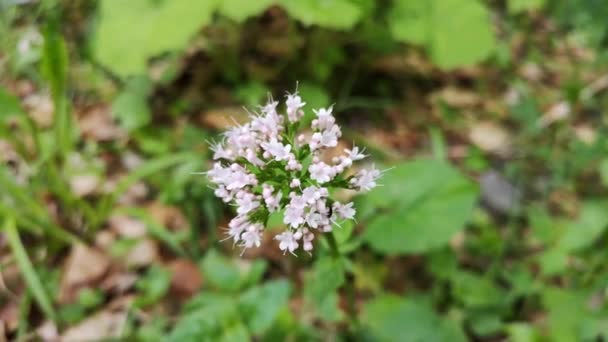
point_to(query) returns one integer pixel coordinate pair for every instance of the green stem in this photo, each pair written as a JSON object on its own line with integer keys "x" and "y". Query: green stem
{"x": 349, "y": 284}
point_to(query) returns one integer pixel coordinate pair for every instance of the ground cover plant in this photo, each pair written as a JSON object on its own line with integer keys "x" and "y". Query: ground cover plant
{"x": 310, "y": 170}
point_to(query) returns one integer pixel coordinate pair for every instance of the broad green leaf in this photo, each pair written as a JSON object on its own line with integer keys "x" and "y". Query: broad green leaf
{"x": 240, "y": 10}
{"x": 409, "y": 21}
{"x": 321, "y": 284}
{"x": 260, "y": 305}
{"x": 334, "y": 14}
{"x": 462, "y": 34}
{"x": 392, "y": 318}
{"x": 153, "y": 286}
{"x": 130, "y": 107}
{"x": 421, "y": 205}
{"x": 587, "y": 228}
{"x": 475, "y": 291}
{"x": 522, "y": 332}
{"x": 518, "y": 6}
{"x": 566, "y": 313}
{"x": 455, "y": 32}
{"x": 210, "y": 317}
{"x": 231, "y": 275}
{"x": 131, "y": 32}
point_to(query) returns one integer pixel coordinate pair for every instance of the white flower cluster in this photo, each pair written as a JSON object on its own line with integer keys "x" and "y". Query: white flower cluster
{"x": 264, "y": 167}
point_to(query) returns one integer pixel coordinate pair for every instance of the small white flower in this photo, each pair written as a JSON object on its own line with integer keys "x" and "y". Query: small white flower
{"x": 236, "y": 226}
{"x": 314, "y": 219}
{"x": 294, "y": 103}
{"x": 293, "y": 216}
{"x": 287, "y": 242}
{"x": 355, "y": 154}
{"x": 307, "y": 241}
{"x": 366, "y": 179}
{"x": 344, "y": 211}
{"x": 321, "y": 172}
{"x": 276, "y": 149}
{"x": 246, "y": 204}
{"x": 294, "y": 183}
{"x": 252, "y": 237}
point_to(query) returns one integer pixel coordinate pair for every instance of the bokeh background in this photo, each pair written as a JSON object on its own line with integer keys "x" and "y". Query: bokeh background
{"x": 489, "y": 226}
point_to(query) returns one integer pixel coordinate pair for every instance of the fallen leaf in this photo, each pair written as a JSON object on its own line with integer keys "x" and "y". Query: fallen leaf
{"x": 97, "y": 124}
{"x": 143, "y": 253}
{"x": 127, "y": 227}
{"x": 9, "y": 315}
{"x": 168, "y": 216}
{"x": 48, "y": 331}
{"x": 119, "y": 282}
{"x": 490, "y": 137}
{"x": 557, "y": 112}
{"x": 457, "y": 98}
{"x": 186, "y": 278}
{"x": 223, "y": 118}
{"x": 103, "y": 325}
{"x": 586, "y": 134}
{"x": 40, "y": 108}
{"x": 83, "y": 185}
{"x": 85, "y": 266}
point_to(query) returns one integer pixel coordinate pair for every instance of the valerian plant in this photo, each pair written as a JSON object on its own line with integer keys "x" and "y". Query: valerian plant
{"x": 276, "y": 162}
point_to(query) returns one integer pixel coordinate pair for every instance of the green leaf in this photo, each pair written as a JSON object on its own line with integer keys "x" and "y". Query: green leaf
{"x": 334, "y": 14}
{"x": 476, "y": 292}
{"x": 231, "y": 275}
{"x": 210, "y": 317}
{"x": 321, "y": 284}
{"x": 240, "y": 10}
{"x": 409, "y": 21}
{"x": 518, "y": 6}
{"x": 260, "y": 305}
{"x": 392, "y": 318}
{"x": 9, "y": 106}
{"x": 130, "y": 107}
{"x": 162, "y": 25}
{"x": 54, "y": 67}
{"x": 455, "y": 32}
{"x": 421, "y": 205}
{"x": 566, "y": 313}
{"x": 587, "y": 228}
{"x": 603, "y": 168}
{"x": 153, "y": 286}
{"x": 25, "y": 265}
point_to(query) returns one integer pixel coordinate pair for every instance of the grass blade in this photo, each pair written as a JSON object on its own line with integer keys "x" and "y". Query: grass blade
{"x": 27, "y": 269}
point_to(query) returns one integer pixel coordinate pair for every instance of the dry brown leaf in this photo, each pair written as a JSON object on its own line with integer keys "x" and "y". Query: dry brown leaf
{"x": 119, "y": 282}
{"x": 585, "y": 133}
{"x": 223, "y": 118}
{"x": 97, "y": 124}
{"x": 168, "y": 216}
{"x": 186, "y": 278}
{"x": 458, "y": 98}
{"x": 127, "y": 227}
{"x": 40, "y": 108}
{"x": 48, "y": 331}
{"x": 101, "y": 326}
{"x": 9, "y": 315}
{"x": 85, "y": 266}
{"x": 143, "y": 253}
{"x": 490, "y": 137}
{"x": 83, "y": 185}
